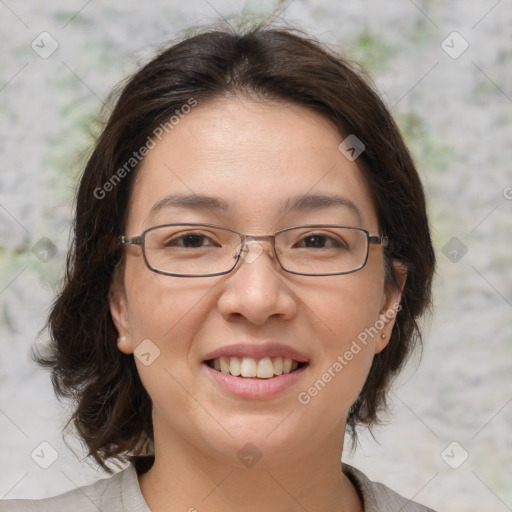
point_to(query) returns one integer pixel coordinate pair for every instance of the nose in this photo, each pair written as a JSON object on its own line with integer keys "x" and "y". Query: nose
{"x": 257, "y": 288}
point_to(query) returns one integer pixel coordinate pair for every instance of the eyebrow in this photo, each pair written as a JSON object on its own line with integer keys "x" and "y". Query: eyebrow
{"x": 307, "y": 202}
{"x": 193, "y": 201}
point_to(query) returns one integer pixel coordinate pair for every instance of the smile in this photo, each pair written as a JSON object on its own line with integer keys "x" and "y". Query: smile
{"x": 264, "y": 368}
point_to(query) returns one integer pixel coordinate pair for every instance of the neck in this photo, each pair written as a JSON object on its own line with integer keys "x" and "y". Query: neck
{"x": 185, "y": 479}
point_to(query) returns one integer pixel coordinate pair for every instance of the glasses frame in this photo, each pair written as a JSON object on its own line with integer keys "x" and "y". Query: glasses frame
{"x": 141, "y": 239}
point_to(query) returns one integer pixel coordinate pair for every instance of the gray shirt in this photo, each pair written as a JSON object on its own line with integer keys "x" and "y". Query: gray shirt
{"x": 121, "y": 493}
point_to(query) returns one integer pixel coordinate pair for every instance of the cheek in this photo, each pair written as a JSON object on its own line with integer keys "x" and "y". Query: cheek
{"x": 164, "y": 316}
{"x": 347, "y": 305}
{"x": 161, "y": 307}
{"x": 348, "y": 308}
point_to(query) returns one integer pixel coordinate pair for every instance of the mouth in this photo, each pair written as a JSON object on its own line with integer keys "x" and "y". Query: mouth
{"x": 249, "y": 367}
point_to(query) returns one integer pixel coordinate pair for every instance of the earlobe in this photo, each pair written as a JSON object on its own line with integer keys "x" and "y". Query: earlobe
{"x": 124, "y": 345}
{"x": 119, "y": 313}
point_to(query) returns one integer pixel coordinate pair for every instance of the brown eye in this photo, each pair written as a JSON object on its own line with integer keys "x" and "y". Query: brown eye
{"x": 320, "y": 241}
{"x": 190, "y": 240}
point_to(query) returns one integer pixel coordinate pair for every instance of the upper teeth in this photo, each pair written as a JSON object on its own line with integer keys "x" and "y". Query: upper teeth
{"x": 249, "y": 367}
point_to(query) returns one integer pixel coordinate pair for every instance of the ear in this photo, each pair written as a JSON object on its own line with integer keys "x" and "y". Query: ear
{"x": 390, "y": 307}
{"x": 119, "y": 311}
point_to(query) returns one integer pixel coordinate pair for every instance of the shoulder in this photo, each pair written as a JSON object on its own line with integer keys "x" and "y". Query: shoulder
{"x": 119, "y": 493}
{"x": 379, "y": 498}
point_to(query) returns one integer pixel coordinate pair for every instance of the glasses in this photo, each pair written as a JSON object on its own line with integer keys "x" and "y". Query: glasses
{"x": 204, "y": 250}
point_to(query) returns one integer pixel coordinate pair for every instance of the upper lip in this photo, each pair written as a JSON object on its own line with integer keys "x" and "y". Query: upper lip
{"x": 257, "y": 350}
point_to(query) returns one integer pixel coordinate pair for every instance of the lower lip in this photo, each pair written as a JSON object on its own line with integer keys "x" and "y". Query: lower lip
{"x": 253, "y": 387}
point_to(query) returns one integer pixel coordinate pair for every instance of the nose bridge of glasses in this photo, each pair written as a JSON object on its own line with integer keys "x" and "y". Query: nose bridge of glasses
{"x": 250, "y": 247}
{"x": 258, "y": 238}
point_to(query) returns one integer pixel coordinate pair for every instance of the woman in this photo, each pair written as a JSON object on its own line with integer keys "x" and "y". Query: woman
{"x": 251, "y": 255}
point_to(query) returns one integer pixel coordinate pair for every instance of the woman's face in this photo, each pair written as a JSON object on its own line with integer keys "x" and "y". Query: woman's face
{"x": 256, "y": 159}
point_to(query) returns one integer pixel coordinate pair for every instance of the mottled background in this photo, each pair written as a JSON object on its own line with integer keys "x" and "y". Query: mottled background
{"x": 454, "y": 106}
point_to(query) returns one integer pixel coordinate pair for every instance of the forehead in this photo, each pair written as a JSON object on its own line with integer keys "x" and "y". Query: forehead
{"x": 255, "y": 160}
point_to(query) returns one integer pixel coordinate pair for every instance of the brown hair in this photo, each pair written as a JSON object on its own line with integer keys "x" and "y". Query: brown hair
{"x": 112, "y": 409}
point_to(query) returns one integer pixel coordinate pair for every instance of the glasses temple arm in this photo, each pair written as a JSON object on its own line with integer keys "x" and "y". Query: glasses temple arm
{"x": 380, "y": 240}
{"x": 126, "y": 240}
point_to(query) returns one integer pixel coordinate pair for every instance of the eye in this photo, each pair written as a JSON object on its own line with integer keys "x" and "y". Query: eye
{"x": 320, "y": 241}
{"x": 190, "y": 240}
